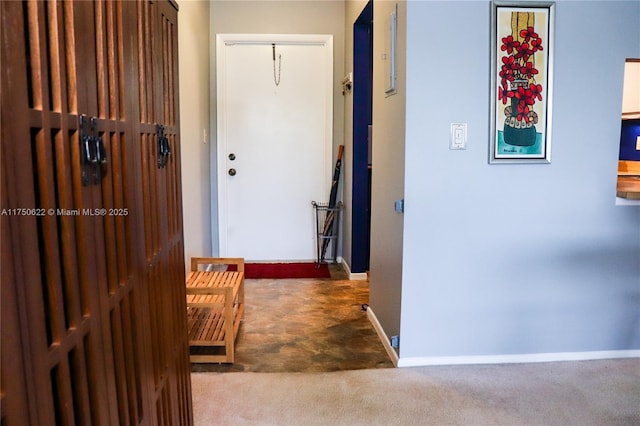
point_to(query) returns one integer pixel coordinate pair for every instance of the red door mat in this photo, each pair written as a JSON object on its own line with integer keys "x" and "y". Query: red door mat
{"x": 285, "y": 270}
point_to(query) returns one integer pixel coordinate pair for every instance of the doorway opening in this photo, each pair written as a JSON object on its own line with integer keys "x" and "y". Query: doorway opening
{"x": 628, "y": 185}
{"x": 362, "y": 138}
{"x": 289, "y": 324}
{"x": 274, "y": 143}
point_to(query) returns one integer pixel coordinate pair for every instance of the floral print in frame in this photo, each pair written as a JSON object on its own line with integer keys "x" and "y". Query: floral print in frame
{"x": 522, "y": 45}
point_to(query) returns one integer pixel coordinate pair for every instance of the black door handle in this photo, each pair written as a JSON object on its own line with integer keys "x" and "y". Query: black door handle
{"x": 164, "y": 149}
{"x": 92, "y": 151}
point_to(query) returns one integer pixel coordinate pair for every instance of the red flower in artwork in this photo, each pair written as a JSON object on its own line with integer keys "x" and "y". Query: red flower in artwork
{"x": 528, "y": 34}
{"x": 526, "y": 99}
{"x": 536, "y": 44}
{"x": 508, "y": 44}
{"x": 524, "y": 52}
{"x": 536, "y": 91}
{"x": 518, "y": 72}
{"x": 528, "y": 70}
{"x": 523, "y": 113}
{"x": 525, "y": 96}
{"x": 509, "y": 65}
{"x": 504, "y": 94}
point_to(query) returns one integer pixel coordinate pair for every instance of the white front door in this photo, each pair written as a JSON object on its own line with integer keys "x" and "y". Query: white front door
{"x": 274, "y": 143}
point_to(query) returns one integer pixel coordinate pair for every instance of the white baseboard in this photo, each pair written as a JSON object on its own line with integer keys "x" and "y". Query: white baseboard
{"x": 358, "y": 276}
{"x": 515, "y": 359}
{"x": 491, "y": 359}
{"x": 382, "y": 336}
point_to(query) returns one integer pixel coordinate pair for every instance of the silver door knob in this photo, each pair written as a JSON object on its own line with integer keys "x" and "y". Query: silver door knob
{"x": 232, "y": 172}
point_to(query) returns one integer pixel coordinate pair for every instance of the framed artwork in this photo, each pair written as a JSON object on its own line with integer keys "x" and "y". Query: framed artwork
{"x": 521, "y": 81}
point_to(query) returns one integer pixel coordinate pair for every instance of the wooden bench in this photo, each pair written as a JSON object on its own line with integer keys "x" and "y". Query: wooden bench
{"x": 215, "y": 305}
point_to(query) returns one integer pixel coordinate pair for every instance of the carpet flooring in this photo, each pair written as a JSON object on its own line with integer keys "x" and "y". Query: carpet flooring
{"x": 604, "y": 392}
{"x": 299, "y": 337}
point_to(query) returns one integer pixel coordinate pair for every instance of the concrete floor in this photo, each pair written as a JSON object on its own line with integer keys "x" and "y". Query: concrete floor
{"x": 305, "y": 325}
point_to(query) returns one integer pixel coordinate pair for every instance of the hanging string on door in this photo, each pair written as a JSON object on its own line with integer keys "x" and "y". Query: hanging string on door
{"x": 276, "y": 79}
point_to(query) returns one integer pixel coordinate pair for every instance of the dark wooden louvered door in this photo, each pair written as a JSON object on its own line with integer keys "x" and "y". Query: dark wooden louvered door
{"x": 162, "y": 206}
{"x": 56, "y": 272}
{"x": 93, "y": 328}
{"x": 109, "y": 79}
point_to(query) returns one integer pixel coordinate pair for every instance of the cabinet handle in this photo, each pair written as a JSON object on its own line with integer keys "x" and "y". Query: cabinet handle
{"x": 92, "y": 152}
{"x": 99, "y": 154}
{"x": 86, "y": 149}
{"x": 164, "y": 148}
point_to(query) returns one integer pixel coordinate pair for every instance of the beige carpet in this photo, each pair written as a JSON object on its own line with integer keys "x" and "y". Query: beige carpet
{"x": 603, "y": 392}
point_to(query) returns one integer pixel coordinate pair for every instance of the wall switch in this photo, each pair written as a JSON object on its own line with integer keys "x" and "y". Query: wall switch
{"x": 458, "y": 136}
{"x": 398, "y": 206}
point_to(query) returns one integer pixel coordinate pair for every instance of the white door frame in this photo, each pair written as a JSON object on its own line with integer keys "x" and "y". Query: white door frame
{"x": 223, "y": 40}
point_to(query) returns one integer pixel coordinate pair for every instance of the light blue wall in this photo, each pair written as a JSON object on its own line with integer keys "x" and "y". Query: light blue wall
{"x": 517, "y": 259}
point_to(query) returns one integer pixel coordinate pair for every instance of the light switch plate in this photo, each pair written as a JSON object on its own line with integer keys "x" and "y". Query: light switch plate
{"x": 458, "y": 136}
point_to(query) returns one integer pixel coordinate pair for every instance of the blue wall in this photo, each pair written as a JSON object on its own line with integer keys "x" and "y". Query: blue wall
{"x": 629, "y": 140}
{"x": 517, "y": 259}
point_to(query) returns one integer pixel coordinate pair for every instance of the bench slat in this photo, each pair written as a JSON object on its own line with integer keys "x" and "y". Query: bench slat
{"x": 214, "y": 299}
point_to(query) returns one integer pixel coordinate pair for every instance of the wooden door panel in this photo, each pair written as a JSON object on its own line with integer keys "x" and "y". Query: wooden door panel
{"x": 20, "y": 244}
{"x": 99, "y": 295}
{"x": 14, "y": 381}
{"x": 56, "y": 303}
{"x": 120, "y": 188}
{"x": 166, "y": 256}
{"x": 170, "y": 119}
{"x": 87, "y": 71}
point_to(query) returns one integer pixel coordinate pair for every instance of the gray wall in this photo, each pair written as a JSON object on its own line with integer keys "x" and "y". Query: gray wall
{"x": 193, "y": 56}
{"x": 388, "y": 172}
{"x": 276, "y": 17}
{"x": 517, "y": 259}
